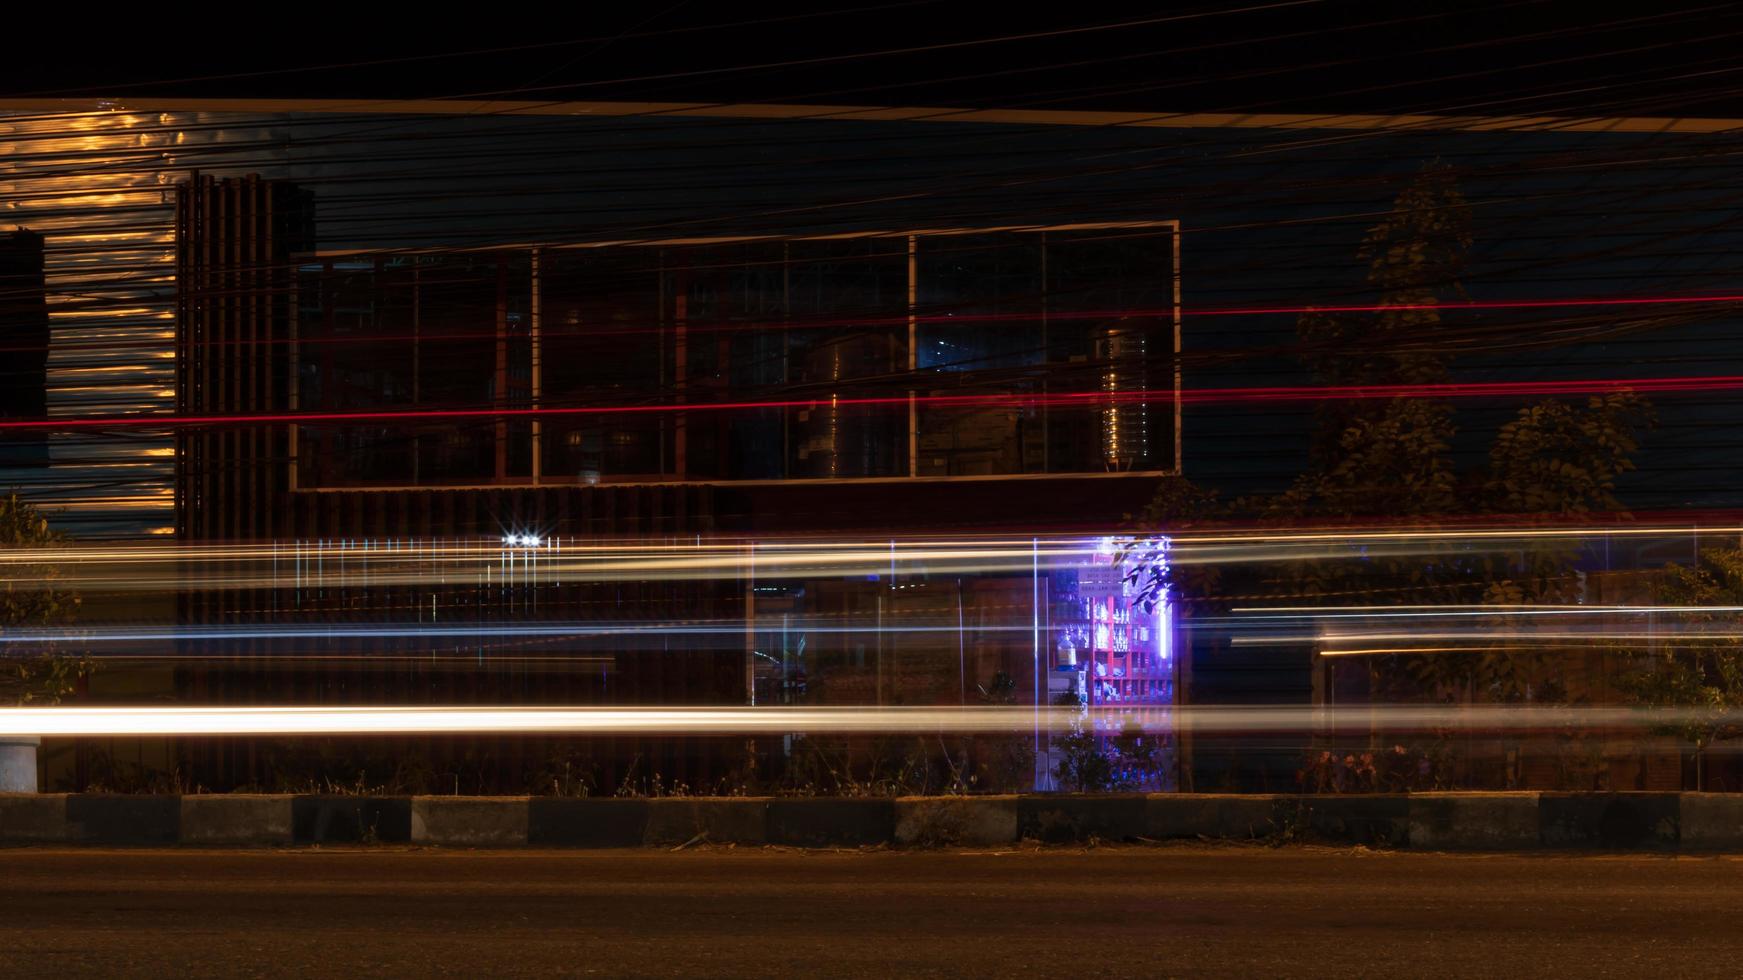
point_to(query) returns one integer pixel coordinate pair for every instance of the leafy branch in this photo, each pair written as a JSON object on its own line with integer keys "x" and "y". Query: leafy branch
{"x": 33, "y": 597}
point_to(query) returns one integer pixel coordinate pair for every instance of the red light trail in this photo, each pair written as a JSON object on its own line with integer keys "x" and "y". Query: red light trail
{"x": 1498, "y": 304}
{"x": 1082, "y": 399}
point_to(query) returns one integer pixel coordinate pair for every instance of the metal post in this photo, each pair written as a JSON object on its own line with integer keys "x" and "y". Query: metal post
{"x": 1035, "y": 637}
{"x": 961, "y": 650}
{"x": 750, "y": 624}
{"x": 18, "y": 764}
{"x": 1179, "y": 421}
{"x": 913, "y": 358}
{"x": 500, "y": 401}
{"x": 681, "y": 373}
{"x": 537, "y": 366}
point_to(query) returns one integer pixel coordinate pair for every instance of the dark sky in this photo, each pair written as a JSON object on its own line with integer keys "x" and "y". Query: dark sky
{"x": 1494, "y": 57}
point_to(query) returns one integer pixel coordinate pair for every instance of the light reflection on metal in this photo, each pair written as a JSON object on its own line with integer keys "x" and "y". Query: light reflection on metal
{"x": 95, "y": 184}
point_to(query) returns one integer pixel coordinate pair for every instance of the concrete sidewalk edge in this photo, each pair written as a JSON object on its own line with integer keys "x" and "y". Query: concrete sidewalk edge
{"x": 1426, "y": 821}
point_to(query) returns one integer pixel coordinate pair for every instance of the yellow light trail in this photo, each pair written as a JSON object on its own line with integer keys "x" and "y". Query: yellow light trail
{"x": 1183, "y": 544}
{"x": 511, "y": 559}
{"x": 1204, "y": 720}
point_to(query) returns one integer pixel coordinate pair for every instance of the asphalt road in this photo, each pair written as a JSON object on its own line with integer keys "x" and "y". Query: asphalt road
{"x": 1126, "y": 911}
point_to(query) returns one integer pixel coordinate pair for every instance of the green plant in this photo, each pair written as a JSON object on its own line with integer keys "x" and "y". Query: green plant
{"x": 345, "y": 767}
{"x": 1698, "y": 672}
{"x": 106, "y": 774}
{"x": 655, "y": 786}
{"x": 857, "y": 767}
{"x": 1397, "y": 769}
{"x": 1000, "y": 763}
{"x": 568, "y": 771}
{"x": 1290, "y": 824}
{"x": 33, "y": 596}
{"x": 1137, "y": 758}
{"x": 1083, "y": 767}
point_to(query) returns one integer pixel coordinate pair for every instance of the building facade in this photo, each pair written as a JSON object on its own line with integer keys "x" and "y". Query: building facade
{"x": 741, "y": 392}
{"x": 762, "y": 323}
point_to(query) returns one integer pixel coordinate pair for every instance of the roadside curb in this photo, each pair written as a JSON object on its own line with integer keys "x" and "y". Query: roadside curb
{"x": 351, "y": 819}
{"x": 1710, "y": 822}
{"x": 1643, "y": 821}
{"x": 1474, "y": 821}
{"x": 238, "y": 819}
{"x": 937, "y": 821}
{"x": 1062, "y": 819}
{"x": 678, "y": 820}
{"x": 1213, "y": 815}
{"x": 831, "y": 821}
{"x": 470, "y": 821}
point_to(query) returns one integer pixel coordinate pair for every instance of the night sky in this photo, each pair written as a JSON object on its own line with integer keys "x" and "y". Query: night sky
{"x": 1305, "y": 56}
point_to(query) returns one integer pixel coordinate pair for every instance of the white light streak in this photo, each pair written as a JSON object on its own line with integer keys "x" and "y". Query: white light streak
{"x": 362, "y": 631}
{"x": 1395, "y": 719}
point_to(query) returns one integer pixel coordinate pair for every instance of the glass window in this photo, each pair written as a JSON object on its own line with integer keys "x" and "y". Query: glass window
{"x": 848, "y": 340}
{"x": 729, "y": 306}
{"x": 351, "y": 311}
{"x": 1032, "y": 352}
{"x": 425, "y": 332}
{"x": 1011, "y": 322}
{"x": 980, "y": 331}
{"x": 978, "y": 302}
{"x": 603, "y": 346}
{"x": 1110, "y": 305}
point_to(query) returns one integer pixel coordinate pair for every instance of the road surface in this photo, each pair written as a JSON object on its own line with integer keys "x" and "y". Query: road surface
{"x": 1124, "y": 911}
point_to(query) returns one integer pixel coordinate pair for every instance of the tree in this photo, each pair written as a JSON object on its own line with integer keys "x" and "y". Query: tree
{"x": 33, "y": 597}
{"x": 1392, "y": 457}
{"x": 1699, "y": 671}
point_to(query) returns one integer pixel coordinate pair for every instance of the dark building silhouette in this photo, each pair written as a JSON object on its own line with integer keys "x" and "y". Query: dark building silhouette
{"x": 892, "y": 382}
{"x": 234, "y": 240}
{"x": 24, "y": 338}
